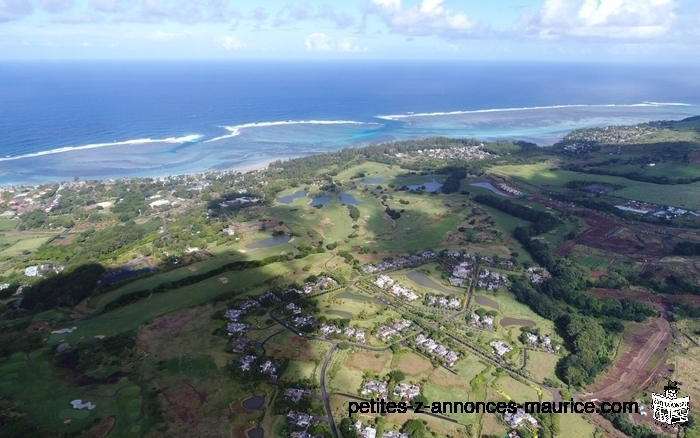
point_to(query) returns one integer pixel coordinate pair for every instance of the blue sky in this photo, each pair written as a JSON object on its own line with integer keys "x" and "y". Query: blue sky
{"x": 551, "y": 30}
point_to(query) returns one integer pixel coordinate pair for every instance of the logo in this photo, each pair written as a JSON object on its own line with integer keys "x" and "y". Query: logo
{"x": 668, "y": 408}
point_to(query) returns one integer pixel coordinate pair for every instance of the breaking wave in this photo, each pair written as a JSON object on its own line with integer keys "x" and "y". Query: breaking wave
{"x": 236, "y": 130}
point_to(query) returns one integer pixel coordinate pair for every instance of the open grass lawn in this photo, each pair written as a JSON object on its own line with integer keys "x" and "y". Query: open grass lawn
{"x": 375, "y": 362}
{"x": 591, "y": 258}
{"x": 688, "y": 372}
{"x": 299, "y": 370}
{"x": 8, "y": 224}
{"x": 348, "y": 380}
{"x": 469, "y": 367}
{"x": 542, "y": 365}
{"x": 442, "y": 393}
{"x": 517, "y": 391}
{"x": 510, "y": 307}
{"x": 133, "y": 315}
{"x": 24, "y": 242}
{"x": 575, "y": 426}
{"x": 47, "y": 399}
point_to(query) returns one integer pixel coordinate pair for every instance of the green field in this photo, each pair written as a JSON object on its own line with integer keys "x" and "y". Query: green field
{"x": 8, "y": 224}
{"x": 540, "y": 176}
{"x": 24, "y": 242}
{"x": 47, "y": 399}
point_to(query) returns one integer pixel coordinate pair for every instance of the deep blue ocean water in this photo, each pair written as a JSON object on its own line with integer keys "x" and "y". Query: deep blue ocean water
{"x": 103, "y": 119}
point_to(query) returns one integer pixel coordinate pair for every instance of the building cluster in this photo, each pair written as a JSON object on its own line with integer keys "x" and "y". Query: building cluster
{"x": 537, "y": 274}
{"x": 400, "y": 262}
{"x": 322, "y": 283}
{"x": 437, "y": 349}
{"x": 510, "y": 189}
{"x": 300, "y": 419}
{"x": 370, "y": 432}
{"x": 385, "y": 282}
{"x": 519, "y": 418}
{"x": 484, "y": 322}
{"x": 379, "y": 387}
{"x": 353, "y": 334}
{"x": 500, "y": 348}
{"x": 467, "y": 153}
{"x": 235, "y": 327}
{"x": 406, "y": 391}
{"x": 655, "y": 210}
{"x": 297, "y": 318}
{"x": 39, "y": 270}
{"x": 541, "y": 341}
{"x": 461, "y": 272}
{"x": 443, "y": 302}
{"x": 295, "y": 394}
{"x": 386, "y": 332}
{"x": 611, "y": 134}
{"x": 490, "y": 280}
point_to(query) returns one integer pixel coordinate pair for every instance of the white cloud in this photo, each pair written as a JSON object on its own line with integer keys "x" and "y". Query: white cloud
{"x": 318, "y": 42}
{"x": 428, "y": 18}
{"x": 56, "y": 6}
{"x": 609, "y": 19}
{"x": 229, "y": 42}
{"x": 14, "y": 9}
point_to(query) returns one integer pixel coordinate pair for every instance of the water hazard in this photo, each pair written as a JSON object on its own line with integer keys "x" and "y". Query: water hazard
{"x": 428, "y": 282}
{"x": 428, "y": 186}
{"x": 348, "y": 199}
{"x": 320, "y": 200}
{"x": 258, "y": 432}
{"x": 269, "y": 242}
{"x": 484, "y": 301}
{"x": 505, "y": 322}
{"x": 290, "y": 198}
{"x": 254, "y": 403}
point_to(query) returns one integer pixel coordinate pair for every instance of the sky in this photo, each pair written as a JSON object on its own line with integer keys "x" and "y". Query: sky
{"x": 546, "y": 30}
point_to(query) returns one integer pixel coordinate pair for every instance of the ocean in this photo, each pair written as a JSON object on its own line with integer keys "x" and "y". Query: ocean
{"x": 118, "y": 119}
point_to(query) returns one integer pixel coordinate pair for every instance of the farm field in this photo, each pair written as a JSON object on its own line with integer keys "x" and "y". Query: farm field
{"x": 542, "y": 365}
{"x": 26, "y": 241}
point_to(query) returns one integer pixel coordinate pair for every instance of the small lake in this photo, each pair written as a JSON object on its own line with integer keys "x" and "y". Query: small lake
{"x": 428, "y": 282}
{"x": 350, "y": 296}
{"x": 505, "y": 322}
{"x": 488, "y": 186}
{"x": 373, "y": 180}
{"x": 484, "y": 301}
{"x": 429, "y": 186}
{"x": 254, "y": 403}
{"x": 320, "y": 200}
{"x": 290, "y": 198}
{"x": 341, "y": 313}
{"x": 348, "y": 199}
{"x": 258, "y": 432}
{"x": 272, "y": 241}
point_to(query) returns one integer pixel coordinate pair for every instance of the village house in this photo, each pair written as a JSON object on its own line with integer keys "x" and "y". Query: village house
{"x": 295, "y": 394}
{"x": 500, "y": 348}
{"x": 518, "y": 418}
{"x": 326, "y": 283}
{"x": 249, "y": 304}
{"x": 303, "y": 320}
{"x": 293, "y": 309}
{"x": 394, "y": 434}
{"x": 236, "y": 327}
{"x": 375, "y": 387}
{"x": 269, "y": 368}
{"x": 399, "y": 291}
{"x": 238, "y": 345}
{"x": 385, "y": 332}
{"x": 247, "y": 362}
{"x": 406, "y": 391}
{"x": 299, "y": 419}
{"x": 327, "y": 329}
{"x": 233, "y": 314}
{"x": 364, "y": 431}
{"x": 383, "y": 281}
{"x": 269, "y": 296}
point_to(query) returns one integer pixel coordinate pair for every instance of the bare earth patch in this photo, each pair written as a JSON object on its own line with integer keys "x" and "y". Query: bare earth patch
{"x": 99, "y": 429}
{"x": 366, "y": 361}
{"x": 223, "y": 280}
{"x": 412, "y": 364}
{"x": 164, "y": 328}
{"x": 446, "y": 379}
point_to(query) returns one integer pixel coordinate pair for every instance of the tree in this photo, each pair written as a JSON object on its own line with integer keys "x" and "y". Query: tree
{"x": 414, "y": 429}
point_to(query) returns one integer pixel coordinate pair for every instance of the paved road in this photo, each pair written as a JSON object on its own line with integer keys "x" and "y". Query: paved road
{"x": 324, "y": 394}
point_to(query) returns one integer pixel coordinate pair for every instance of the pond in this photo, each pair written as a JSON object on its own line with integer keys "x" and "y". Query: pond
{"x": 320, "y": 200}
{"x": 341, "y": 313}
{"x": 429, "y": 186}
{"x": 484, "y": 301}
{"x": 272, "y": 241}
{"x": 505, "y": 322}
{"x": 290, "y": 198}
{"x": 428, "y": 282}
{"x": 254, "y": 403}
{"x": 348, "y": 199}
{"x": 351, "y": 296}
{"x": 488, "y": 186}
{"x": 373, "y": 180}
{"x": 258, "y": 432}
